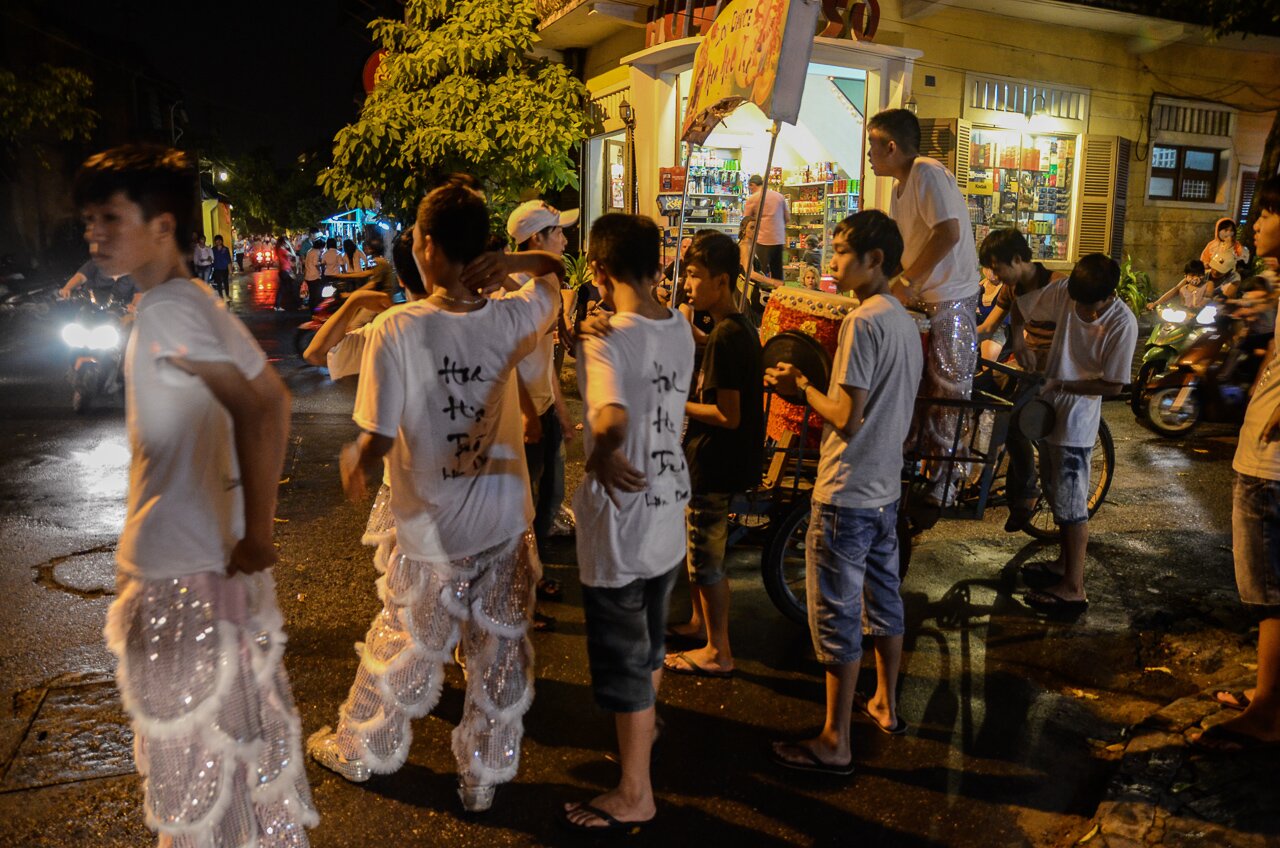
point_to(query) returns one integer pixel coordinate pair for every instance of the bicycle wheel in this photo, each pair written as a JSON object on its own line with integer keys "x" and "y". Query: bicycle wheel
{"x": 782, "y": 565}
{"x": 1102, "y": 465}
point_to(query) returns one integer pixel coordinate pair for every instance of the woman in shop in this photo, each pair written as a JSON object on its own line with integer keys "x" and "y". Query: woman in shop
{"x": 991, "y": 347}
{"x": 1223, "y": 241}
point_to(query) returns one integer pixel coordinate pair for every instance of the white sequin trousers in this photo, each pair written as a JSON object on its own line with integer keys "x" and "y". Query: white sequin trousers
{"x": 485, "y": 600}
{"x": 216, "y": 735}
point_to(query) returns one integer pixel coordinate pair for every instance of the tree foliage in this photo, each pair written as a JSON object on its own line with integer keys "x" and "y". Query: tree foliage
{"x": 460, "y": 91}
{"x": 50, "y": 102}
{"x": 266, "y": 198}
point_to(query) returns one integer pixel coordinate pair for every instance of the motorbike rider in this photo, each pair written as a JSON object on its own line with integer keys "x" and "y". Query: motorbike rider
{"x": 1224, "y": 240}
{"x": 1222, "y": 276}
{"x": 121, "y": 290}
{"x": 1194, "y": 289}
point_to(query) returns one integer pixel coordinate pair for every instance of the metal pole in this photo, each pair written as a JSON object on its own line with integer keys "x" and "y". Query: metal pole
{"x": 755, "y": 235}
{"x": 677, "y": 290}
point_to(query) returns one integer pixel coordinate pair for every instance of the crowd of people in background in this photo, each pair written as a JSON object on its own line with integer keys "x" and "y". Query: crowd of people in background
{"x": 462, "y": 426}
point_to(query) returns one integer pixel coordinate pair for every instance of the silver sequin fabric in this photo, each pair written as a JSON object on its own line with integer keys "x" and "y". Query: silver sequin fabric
{"x": 949, "y": 364}
{"x": 217, "y": 737}
{"x": 485, "y": 601}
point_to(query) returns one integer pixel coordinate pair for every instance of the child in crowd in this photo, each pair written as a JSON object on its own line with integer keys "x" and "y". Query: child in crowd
{"x": 436, "y": 397}
{"x": 809, "y": 277}
{"x": 1031, "y": 297}
{"x": 634, "y": 383}
{"x": 1193, "y": 289}
{"x": 1090, "y": 359}
{"x": 1255, "y": 520}
{"x": 851, "y": 552}
{"x": 195, "y": 625}
{"x": 723, "y": 446}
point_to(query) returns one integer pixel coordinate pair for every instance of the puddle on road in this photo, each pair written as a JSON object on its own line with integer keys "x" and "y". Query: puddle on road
{"x": 79, "y": 732}
{"x": 88, "y": 574}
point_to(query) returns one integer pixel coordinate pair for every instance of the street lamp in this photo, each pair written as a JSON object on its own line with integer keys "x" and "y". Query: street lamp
{"x": 628, "y": 116}
{"x": 222, "y": 176}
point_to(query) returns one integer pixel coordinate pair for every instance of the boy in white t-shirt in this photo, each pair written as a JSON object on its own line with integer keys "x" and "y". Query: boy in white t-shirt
{"x": 1090, "y": 358}
{"x": 630, "y": 506}
{"x": 437, "y": 400}
{"x": 851, "y": 551}
{"x": 939, "y": 277}
{"x": 195, "y": 625}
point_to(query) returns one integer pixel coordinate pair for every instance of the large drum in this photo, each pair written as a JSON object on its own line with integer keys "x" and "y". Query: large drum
{"x": 818, "y": 315}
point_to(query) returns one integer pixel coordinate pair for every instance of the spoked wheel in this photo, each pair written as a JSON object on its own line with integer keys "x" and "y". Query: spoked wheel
{"x": 1102, "y": 465}
{"x": 1167, "y": 421}
{"x": 783, "y": 566}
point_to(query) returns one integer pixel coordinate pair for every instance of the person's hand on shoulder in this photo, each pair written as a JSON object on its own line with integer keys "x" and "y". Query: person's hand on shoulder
{"x": 596, "y": 325}
{"x": 371, "y": 299}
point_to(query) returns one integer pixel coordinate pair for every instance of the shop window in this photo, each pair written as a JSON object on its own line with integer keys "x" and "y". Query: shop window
{"x": 1183, "y": 173}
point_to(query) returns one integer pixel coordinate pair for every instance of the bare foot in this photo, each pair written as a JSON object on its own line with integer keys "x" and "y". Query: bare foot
{"x": 613, "y": 802}
{"x": 882, "y": 711}
{"x": 794, "y": 753}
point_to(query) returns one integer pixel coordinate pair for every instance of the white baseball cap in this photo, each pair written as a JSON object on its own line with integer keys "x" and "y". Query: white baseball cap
{"x": 534, "y": 216}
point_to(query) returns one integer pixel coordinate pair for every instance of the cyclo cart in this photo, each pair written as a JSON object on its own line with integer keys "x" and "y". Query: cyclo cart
{"x": 800, "y": 326}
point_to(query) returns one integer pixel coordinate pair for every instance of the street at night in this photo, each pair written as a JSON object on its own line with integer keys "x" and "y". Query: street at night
{"x": 1020, "y": 728}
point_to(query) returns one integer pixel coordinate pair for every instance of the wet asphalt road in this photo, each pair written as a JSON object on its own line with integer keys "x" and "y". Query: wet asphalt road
{"x": 1011, "y": 717}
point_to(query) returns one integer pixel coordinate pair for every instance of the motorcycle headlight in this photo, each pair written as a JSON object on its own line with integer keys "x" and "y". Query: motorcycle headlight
{"x": 327, "y": 291}
{"x": 75, "y": 335}
{"x": 105, "y": 337}
{"x": 1174, "y": 316}
{"x": 1207, "y": 315}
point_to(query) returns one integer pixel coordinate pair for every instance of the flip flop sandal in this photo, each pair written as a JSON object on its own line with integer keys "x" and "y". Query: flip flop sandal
{"x": 611, "y": 826}
{"x": 810, "y": 762}
{"x": 550, "y": 589}
{"x": 899, "y": 724}
{"x": 681, "y": 664}
{"x": 1220, "y": 740}
{"x": 1038, "y": 575}
{"x": 1054, "y": 606}
{"x": 1239, "y": 700}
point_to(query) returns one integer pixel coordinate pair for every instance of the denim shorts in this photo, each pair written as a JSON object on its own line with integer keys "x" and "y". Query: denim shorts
{"x": 1065, "y": 474}
{"x": 706, "y": 522}
{"x": 626, "y": 640}
{"x": 851, "y": 554}
{"x": 1255, "y": 542}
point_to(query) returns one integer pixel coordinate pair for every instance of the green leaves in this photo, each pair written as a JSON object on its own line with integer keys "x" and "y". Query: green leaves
{"x": 50, "y": 101}
{"x": 461, "y": 93}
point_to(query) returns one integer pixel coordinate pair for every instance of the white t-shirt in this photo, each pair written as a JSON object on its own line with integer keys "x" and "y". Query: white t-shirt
{"x": 644, "y": 366}
{"x": 202, "y": 255}
{"x": 773, "y": 225}
{"x": 879, "y": 350}
{"x": 441, "y": 384}
{"x": 1253, "y": 457}
{"x": 537, "y": 370}
{"x": 927, "y": 198}
{"x": 345, "y": 358}
{"x": 1082, "y": 350}
{"x": 333, "y": 262}
{"x": 311, "y": 264}
{"x": 185, "y": 507}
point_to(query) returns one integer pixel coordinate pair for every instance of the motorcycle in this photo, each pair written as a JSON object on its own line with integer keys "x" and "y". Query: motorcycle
{"x": 95, "y": 338}
{"x": 1210, "y": 379}
{"x": 329, "y": 303}
{"x": 1179, "y": 327}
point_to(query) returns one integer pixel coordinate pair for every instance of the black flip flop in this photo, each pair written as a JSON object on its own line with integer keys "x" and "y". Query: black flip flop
{"x": 611, "y": 826}
{"x": 811, "y": 763}
{"x": 899, "y": 724}
{"x": 1240, "y": 700}
{"x": 686, "y": 666}
{"x": 1038, "y": 575}
{"x": 1221, "y": 740}
{"x": 1055, "y": 606}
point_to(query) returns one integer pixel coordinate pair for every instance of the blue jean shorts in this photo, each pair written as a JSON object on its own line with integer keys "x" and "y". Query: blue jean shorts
{"x": 1255, "y": 542}
{"x": 1064, "y": 471}
{"x": 850, "y": 555}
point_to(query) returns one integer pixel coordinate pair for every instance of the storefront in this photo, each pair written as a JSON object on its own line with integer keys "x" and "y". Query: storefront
{"x": 819, "y": 163}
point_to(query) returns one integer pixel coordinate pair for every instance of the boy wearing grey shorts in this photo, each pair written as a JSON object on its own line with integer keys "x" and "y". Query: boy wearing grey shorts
{"x": 851, "y": 552}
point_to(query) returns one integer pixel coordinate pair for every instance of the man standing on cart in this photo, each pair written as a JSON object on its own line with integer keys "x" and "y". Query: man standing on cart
{"x": 940, "y": 276}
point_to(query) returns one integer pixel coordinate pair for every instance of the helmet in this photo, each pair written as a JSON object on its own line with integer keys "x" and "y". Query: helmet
{"x": 1223, "y": 262}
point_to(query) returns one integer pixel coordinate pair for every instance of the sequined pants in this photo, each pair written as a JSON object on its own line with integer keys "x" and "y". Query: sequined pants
{"x": 216, "y": 735}
{"x": 485, "y": 600}
{"x": 949, "y": 364}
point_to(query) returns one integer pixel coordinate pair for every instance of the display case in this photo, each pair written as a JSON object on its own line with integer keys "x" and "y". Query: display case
{"x": 1024, "y": 181}
{"x": 716, "y": 186}
{"x": 808, "y": 205}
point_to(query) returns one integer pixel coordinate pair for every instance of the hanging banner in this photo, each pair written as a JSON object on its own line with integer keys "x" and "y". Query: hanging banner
{"x": 757, "y": 51}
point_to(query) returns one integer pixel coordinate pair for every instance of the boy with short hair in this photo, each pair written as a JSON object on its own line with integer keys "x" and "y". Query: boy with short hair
{"x": 221, "y": 269}
{"x": 634, "y": 386}
{"x": 195, "y": 625}
{"x": 723, "y": 445}
{"x": 436, "y": 397}
{"x": 851, "y": 551}
{"x": 1090, "y": 358}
